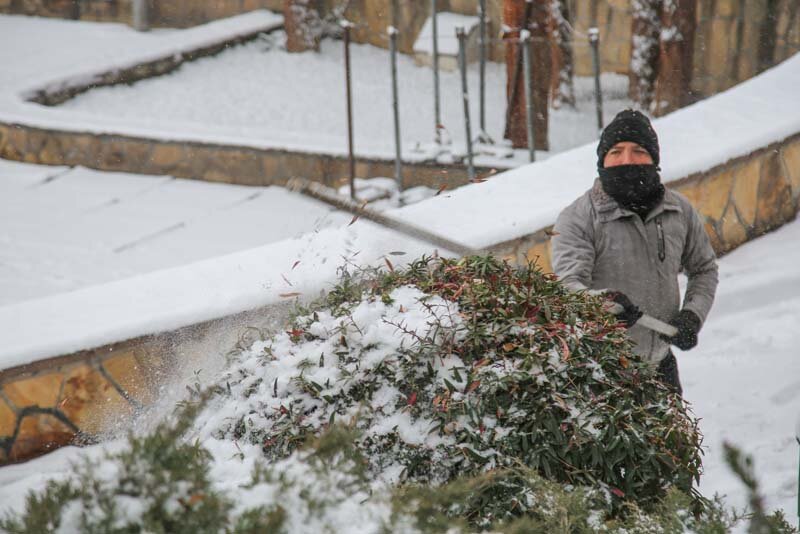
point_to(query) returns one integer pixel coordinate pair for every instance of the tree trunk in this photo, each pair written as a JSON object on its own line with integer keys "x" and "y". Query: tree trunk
{"x": 303, "y": 25}
{"x": 514, "y": 12}
{"x": 645, "y": 49}
{"x": 563, "y": 89}
{"x": 673, "y": 89}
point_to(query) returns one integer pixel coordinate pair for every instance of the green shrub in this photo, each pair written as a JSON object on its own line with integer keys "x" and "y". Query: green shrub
{"x": 455, "y": 368}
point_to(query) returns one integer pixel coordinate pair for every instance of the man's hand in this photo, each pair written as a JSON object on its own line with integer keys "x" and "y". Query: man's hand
{"x": 630, "y": 312}
{"x": 688, "y": 324}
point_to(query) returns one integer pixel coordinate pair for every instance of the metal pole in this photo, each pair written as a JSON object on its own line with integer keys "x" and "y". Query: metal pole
{"x": 139, "y": 15}
{"x": 462, "y": 64}
{"x": 482, "y": 14}
{"x": 351, "y": 157}
{"x": 398, "y": 169}
{"x": 594, "y": 42}
{"x": 437, "y": 114}
{"x": 325, "y": 194}
{"x": 525, "y": 43}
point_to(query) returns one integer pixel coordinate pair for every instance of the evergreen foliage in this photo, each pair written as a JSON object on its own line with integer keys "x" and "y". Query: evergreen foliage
{"x": 451, "y": 396}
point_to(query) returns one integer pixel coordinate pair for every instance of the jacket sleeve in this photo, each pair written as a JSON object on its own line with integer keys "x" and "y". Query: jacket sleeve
{"x": 700, "y": 265}
{"x": 573, "y": 248}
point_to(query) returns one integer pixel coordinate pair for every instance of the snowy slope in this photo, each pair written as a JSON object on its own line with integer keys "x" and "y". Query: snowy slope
{"x": 63, "y": 229}
{"x": 742, "y": 380}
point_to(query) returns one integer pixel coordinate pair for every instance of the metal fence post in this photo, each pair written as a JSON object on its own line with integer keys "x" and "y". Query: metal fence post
{"x": 351, "y": 156}
{"x": 462, "y": 64}
{"x": 398, "y": 169}
{"x": 437, "y": 114}
{"x": 594, "y": 42}
{"x": 139, "y": 15}
{"x": 525, "y": 42}
{"x": 482, "y": 15}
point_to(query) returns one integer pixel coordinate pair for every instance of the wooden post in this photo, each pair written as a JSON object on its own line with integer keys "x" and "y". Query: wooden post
{"x": 645, "y": 50}
{"x": 514, "y": 17}
{"x": 673, "y": 86}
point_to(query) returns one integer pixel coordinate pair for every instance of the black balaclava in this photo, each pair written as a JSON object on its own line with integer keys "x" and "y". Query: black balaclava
{"x": 635, "y": 187}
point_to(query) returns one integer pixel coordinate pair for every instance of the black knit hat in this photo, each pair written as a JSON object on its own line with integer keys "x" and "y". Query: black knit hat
{"x": 628, "y": 125}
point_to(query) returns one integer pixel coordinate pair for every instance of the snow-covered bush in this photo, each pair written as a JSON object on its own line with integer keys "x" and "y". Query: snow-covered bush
{"x": 455, "y": 368}
{"x": 452, "y": 396}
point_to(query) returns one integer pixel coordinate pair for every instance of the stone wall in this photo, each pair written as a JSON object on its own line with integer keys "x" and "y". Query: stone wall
{"x": 739, "y": 201}
{"x": 161, "y": 13}
{"x": 209, "y": 162}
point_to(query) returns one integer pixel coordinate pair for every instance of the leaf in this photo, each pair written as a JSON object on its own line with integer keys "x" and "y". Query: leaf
{"x": 623, "y": 361}
{"x": 508, "y": 347}
{"x": 355, "y": 218}
{"x": 442, "y": 188}
{"x": 295, "y": 264}
{"x": 616, "y": 491}
{"x": 286, "y": 280}
{"x": 398, "y": 253}
{"x": 565, "y": 354}
{"x": 289, "y": 295}
{"x": 412, "y": 399}
{"x": 389, "y": 264}
{"x": 473, "y": 386}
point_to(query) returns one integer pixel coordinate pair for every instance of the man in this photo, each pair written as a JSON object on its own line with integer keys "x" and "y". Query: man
{"x": 629, "y": 237}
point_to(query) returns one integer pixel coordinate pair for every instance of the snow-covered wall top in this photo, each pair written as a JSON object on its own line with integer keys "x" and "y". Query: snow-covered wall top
{"x": 753, "y": 115}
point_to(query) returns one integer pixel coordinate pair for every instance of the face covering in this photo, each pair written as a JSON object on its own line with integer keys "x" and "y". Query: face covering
{"x": 635, "y": 187}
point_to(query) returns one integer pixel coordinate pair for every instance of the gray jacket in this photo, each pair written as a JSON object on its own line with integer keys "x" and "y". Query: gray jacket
{"x": 599, "y": 245}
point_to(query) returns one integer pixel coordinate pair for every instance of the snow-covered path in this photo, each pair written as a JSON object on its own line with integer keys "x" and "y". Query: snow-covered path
{"x": 743, "y": 379}
{"x": 744, "y": 376}
{"x": 63, "y": 229}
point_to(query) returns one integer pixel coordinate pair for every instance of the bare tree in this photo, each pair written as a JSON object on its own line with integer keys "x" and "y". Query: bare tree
{"x": 303, "y": 25}
{"x": 645, "y": 50}
{"x": 676, "y": 61}
{"x": 563, "y": 89}
{"x": 533, "y": 16}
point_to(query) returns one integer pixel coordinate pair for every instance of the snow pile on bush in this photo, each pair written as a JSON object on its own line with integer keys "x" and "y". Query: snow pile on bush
{"x": 454, "y": 368}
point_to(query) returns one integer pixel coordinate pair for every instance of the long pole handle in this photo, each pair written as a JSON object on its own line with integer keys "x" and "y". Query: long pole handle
{"x": 329, "y": 196}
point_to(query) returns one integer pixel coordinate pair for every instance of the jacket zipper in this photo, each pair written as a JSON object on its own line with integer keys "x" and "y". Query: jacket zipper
{"x": 662, "y": 253}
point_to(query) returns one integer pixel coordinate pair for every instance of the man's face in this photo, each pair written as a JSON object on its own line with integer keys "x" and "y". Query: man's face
{"x": 627, "y": 153}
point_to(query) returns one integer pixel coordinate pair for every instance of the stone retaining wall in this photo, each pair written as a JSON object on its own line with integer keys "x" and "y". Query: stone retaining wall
{"x": 204, "y": 161}
{"x": 74, "y": 398}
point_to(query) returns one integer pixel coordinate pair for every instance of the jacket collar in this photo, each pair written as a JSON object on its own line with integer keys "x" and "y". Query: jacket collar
{"x": 609, "y": 209}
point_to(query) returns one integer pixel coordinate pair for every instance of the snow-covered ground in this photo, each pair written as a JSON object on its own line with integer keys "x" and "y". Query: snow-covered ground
{"x": 743, "y": 380}
{"x": 63, "y": 229}
{"x": 261, "y": 92}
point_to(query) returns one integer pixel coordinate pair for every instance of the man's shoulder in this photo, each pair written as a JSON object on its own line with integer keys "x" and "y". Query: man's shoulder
{"x": 581, "y": 205}
{"x": 679, "y": 200}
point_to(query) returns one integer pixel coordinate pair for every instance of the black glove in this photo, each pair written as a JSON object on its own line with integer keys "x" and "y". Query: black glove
{"x": 688, "y": 324}
{"x": 630, "y": 313}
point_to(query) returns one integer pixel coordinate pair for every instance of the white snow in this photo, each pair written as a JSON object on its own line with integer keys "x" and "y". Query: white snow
{"x": 64, "y": 229}
{"x": 446, "y": 25}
